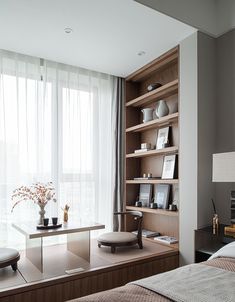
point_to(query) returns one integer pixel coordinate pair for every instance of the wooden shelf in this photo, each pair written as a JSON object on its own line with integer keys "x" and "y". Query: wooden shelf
{"x": 153, "y": 211}
{"x": 152, "y": 181}
{"x": 153, "y": 152}
{"x": 156, "y": 65}
{"x": 164, "y": 91}
{"x": 154, "y": 123}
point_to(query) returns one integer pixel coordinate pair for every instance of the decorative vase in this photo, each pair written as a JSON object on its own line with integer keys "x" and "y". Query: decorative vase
{"x": 162, "y": 109}
{"x": 41, "y": 213}
{"x": 147, "y": 114}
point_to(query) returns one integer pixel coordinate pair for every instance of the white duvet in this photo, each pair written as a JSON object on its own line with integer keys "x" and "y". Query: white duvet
{"x": 227, "y": 251}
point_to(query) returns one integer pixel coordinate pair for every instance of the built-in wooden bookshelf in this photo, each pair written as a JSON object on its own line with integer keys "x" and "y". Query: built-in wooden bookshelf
{"x": 164, "y": 70}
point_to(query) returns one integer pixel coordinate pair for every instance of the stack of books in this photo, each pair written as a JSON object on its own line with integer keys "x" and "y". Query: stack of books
{"x": 147, "y": 233}
{"x": 166, "y": 239}
{"x": 142, "y": 150}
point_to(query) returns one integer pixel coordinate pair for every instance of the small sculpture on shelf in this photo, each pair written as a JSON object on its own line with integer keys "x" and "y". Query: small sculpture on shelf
{"x": 153, "y": 86}
{"x": 66, "y": 210}
{"x": 215, "y": 219}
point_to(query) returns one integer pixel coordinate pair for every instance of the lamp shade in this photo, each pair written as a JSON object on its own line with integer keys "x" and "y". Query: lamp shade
{"x": 224, "y": 167}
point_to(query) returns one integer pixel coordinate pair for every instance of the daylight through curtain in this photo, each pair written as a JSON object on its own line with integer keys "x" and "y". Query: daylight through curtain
{"x": 55, "y": 125}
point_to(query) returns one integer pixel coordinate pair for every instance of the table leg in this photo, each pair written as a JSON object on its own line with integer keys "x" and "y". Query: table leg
{"x": 79, "y": 244}
{"x": 34, "y": 252}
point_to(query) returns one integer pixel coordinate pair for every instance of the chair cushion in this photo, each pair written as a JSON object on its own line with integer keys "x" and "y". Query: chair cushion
{"x": 117, "y": 237}
{"x": 7, "y": 254}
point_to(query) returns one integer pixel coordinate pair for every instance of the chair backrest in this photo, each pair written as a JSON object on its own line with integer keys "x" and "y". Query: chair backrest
{"x": 137, "y": 216}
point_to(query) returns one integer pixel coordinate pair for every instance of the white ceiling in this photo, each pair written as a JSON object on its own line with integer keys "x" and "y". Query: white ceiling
{"x": 214, "y": 17}
{"x": 107, "y": 34}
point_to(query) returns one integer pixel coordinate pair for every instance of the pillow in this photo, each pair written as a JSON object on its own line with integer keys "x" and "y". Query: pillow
{"x": 226, "y": 251}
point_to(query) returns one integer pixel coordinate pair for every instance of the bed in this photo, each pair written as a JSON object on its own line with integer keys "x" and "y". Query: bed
{"x": 209, "y": 281}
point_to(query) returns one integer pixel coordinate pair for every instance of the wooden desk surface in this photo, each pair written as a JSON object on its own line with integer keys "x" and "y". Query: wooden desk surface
{"x": 29, "y": 229}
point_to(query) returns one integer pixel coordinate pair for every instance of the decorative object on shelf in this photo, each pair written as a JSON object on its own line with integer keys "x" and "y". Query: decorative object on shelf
{"x": 163, "y": 138}
{"x": 153, "y": 205}
{"x": 145, "y": 195}
{"x": 39, "y": 193}
{"x": 161, "y": 196}
{"x": 169, "y": 166}
{"x": 161, "y": 109}
{"x": 144, "y": 148}
{"x": 66, "y": 214}
{"x": 215, "y": 224}
{"x": 215, "y": 219}
{"x": 153, "y": 86}
{"x": 173, "y": 207}
{"x": 138, "y": 204}
{"x": 147, "y": 114}
{"x": 224, "y": 171}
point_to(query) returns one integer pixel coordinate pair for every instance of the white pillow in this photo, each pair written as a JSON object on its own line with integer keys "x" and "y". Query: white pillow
{"x": 226, "y": 251}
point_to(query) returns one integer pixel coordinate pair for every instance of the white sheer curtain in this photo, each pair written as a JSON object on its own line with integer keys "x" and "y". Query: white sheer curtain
{"x": 55, "y": 125}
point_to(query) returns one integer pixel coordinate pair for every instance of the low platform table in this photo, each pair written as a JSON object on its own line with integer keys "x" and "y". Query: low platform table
{"x": 78, "y": 239}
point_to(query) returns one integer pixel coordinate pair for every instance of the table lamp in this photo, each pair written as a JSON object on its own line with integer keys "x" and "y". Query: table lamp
{"x": 224, "y": 171}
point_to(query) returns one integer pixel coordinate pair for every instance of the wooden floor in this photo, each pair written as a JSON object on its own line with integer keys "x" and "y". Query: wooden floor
{"x": 57, "y": 259}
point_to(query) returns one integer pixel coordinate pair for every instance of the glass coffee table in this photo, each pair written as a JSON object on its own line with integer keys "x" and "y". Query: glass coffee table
{"x": 78, "y": 239}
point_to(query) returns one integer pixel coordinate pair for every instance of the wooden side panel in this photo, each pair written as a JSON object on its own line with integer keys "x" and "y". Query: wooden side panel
{"x": 94, "y": 282}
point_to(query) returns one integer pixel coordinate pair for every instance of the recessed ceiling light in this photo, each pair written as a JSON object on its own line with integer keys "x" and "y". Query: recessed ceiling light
{"x": 68, "y": 30}
{"x": 141, "y": 53}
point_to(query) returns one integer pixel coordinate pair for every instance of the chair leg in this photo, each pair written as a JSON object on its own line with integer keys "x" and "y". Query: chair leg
{"x": 14, "y": 266}
{"x": 140, "y": 245}
{"x": 113, "y": 249}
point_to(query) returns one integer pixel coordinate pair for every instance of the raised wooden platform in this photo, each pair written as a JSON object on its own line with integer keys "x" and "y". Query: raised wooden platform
{"x": 105, "y": 271}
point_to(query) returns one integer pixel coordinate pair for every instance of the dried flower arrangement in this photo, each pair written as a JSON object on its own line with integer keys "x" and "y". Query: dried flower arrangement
{"x": 39, "y": 193}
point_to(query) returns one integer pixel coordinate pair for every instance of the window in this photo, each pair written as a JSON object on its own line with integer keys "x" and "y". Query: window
{"x": 56, "y": 129}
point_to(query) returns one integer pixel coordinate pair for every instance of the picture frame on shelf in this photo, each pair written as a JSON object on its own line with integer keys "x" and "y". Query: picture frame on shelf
{"x": 163, "y": 138}
{"x": 161, "y": 195}
{"x": 145, "y": 194}
{"x": 169, "y": 166}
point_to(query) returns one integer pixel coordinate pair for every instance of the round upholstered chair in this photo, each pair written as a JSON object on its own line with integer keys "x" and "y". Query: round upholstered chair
{"x": 117, "y": 239}
{"x": 9, "y": 257}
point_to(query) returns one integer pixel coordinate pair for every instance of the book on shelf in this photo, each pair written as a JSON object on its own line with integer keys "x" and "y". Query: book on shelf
{"x": 166, "y": 239}
{"x": 146, "y": 178}
{"x": 145, "y": 194}
{"x": 147, "y": 233}
{"x": 142, "y": 150}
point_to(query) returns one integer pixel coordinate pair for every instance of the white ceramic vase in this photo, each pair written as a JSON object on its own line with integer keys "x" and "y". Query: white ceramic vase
{"x": 147, "y": 114}
{"x": 162, "y": 109}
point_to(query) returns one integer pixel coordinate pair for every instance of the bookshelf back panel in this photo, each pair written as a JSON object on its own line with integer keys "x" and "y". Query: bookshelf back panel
{"x": 132, "y": 90}
{"x": 166, "y": 225}
{"x": 165, "y": 76}
{"x": 152, "y": 165}
{"x": 132, "y": 168}
{"x": 132, "y": 192}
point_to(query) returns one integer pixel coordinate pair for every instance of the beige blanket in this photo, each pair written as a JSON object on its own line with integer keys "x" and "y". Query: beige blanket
{"x": 135, "y": 293}
{"x": 194, "y": 283}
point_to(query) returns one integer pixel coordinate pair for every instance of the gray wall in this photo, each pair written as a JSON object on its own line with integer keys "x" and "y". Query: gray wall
{"x": 188, "y": 153}
{"x": 197, "y": 137}
{"x": 206, "y": 126}
{"x": 225, "y": 114}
